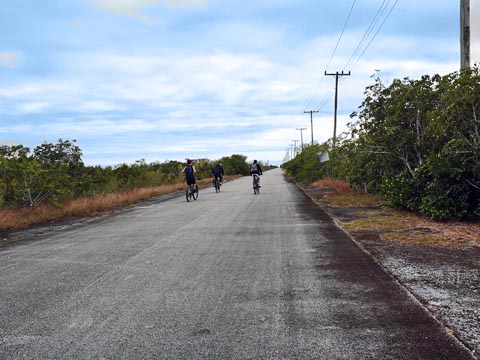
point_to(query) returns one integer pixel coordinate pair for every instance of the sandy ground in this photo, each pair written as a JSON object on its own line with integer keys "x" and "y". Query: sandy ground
{"x": 446, "y": 279}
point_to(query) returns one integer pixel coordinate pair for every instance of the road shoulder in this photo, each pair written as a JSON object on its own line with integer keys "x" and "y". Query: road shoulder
{"x": 445, "y": 280}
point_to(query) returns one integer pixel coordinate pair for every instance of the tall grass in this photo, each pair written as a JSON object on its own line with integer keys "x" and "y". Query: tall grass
{"x": 24, "y": 217}
{"x": 340, "y": 187}
{"x": 343, "y": 194}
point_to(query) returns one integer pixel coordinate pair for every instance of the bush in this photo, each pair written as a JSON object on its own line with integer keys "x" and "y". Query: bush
{"x": 401, "y": 191}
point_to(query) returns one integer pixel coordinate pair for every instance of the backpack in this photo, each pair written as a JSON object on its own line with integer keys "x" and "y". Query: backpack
{"x": 254, "y": 168}
{"x": 188, "y": 170}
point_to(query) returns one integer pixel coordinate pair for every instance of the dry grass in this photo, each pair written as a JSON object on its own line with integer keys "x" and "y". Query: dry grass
{"x": 355, "y": 198}
{"x": 396, "y": 225}
{"x": 25, "y": 217}
{"x": 22, "y": 218}
{"x": 415, "y": 238}
{"x": 338, "y": 185}
{"x": 343, "y": 194}
{"x": 376, "y": 220}
{"x": 411, "y": 229}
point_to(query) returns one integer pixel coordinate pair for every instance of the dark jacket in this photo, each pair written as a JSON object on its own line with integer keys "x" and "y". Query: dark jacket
{"x": 218, "y": 171}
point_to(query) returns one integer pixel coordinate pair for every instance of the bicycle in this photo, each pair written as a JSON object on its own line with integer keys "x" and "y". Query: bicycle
{"x": 191, "y": 193}
{"x": 256, "y": 185}
{"x": 216, "y": 184}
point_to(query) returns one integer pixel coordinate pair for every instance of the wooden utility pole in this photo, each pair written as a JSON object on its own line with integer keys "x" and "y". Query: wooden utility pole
{"x": 295, "y": 147}
{"x": 311, "y": 119}
{"x": 301, "y": 135}
{"x": 337, "y": 75}
{"x": 464, "y": 34}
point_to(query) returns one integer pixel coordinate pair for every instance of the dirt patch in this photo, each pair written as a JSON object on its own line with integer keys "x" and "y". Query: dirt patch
{"x": 439, "y": 263}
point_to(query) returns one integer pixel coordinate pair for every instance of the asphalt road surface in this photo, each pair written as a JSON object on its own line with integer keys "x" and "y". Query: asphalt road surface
{"x": 230, "y": 276}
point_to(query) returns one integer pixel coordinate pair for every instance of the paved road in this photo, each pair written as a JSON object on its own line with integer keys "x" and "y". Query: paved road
{"x": 230, "y": 276}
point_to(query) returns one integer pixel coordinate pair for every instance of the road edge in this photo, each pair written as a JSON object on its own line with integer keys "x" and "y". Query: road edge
{"x": 436, "y": 317}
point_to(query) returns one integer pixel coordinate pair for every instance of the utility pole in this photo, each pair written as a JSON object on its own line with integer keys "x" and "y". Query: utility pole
{"x": 311, "y": 119}
{"x": 337, "y": 75}
{"x": 464, "y": 34}
{"x": 294, "y": 147}
{"x": 301, "y": 135}
{"x": 291, "y": 151}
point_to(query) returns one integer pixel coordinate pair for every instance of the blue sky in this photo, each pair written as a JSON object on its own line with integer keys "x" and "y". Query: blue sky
{"x": 171, "y": 79}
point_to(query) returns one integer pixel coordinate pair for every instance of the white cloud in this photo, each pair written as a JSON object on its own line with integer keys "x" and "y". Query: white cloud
{"x": 96, "y": 106}
{"x": 33, "y": 107}
{"x": 19, "y": 91}
{"x": 242, "y": 84}
{"x": 132, "y": 7}
{"x": 8, "y": 59}
{"x": 126, "y": 7}
{"x": 187, "y": 2}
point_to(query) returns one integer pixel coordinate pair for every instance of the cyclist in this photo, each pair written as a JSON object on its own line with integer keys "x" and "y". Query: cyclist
{"x": 256, "y": 170}
{"x": 189, "y": 171}
{"x": 218, "y": 173}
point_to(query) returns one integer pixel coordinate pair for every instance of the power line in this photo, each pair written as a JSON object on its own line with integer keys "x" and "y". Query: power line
{"x": 374, "y": 22}
{"x": 355, "y": 51}
{"x": 374, "y": 36}
{"x": 324, "y": 100}
{"x": 367, "y": 32}
{"x": 333, "y": 53}
{"x": 361, "y": 48}
{"x": 341, "y": 35}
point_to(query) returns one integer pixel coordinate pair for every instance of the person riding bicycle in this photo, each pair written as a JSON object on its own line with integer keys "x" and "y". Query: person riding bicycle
{"x": 256, "y": 171}
{"x": 189, "y": 171}
{"x": 218, "y": 173}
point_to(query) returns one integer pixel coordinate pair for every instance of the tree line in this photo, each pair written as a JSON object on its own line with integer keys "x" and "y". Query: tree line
{"x": 415, "y": 141}
{"x": 55, "y": 172}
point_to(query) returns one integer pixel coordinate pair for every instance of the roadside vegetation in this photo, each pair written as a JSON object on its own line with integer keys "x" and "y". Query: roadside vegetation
{"x": 370, "y": 214}
{"x": 414, "y": 143}
{"x": 51, "y": 182}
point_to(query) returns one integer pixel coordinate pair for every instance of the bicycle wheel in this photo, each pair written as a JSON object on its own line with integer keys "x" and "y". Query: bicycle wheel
{"x": 256, "y": 190}
{"x": 217, "y": 186}
{"x": 194, "y": 192}
{"x": 188, "y": 194}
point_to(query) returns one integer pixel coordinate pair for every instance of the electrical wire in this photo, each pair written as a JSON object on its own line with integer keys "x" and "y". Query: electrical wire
{"x": 373, "y": 37}
{"x": 367, "y": 32}
{"x": 367, "y": 35}
{"x": 361, "y": 48}
{"x": 333, "y": 53}
{"x": 341, "y": 35}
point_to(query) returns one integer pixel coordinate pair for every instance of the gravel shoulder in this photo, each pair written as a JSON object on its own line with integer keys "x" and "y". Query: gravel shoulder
{"x": 444, "y": 278}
